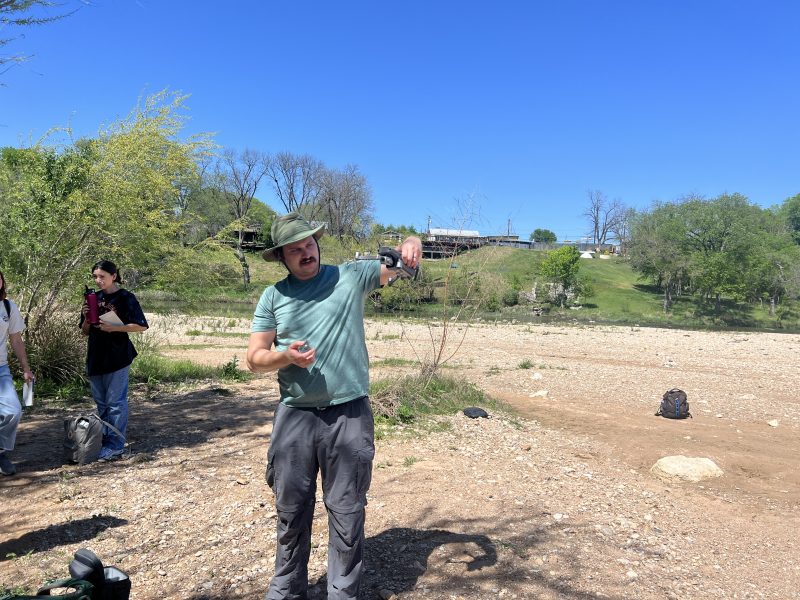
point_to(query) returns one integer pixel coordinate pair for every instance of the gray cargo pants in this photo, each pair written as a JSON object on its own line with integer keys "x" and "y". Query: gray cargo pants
{"x": 337, "y": 441}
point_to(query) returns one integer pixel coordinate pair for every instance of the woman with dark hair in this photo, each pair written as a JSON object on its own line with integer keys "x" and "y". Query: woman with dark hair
{"x": 111, "y": 352}
{"x": 11, "y": 328}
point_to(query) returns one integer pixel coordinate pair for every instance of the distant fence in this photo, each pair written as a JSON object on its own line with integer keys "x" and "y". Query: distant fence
{"x": 441, "y": 248}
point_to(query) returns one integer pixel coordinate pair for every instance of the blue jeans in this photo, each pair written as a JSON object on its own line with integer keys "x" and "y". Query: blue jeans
{"x": 10, "y": 410}
{"x": 110, "y": 393}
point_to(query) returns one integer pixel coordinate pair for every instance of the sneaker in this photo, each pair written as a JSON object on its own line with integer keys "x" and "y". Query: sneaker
{"x": 108, "y": 455}
{"x": 6, "y": 466}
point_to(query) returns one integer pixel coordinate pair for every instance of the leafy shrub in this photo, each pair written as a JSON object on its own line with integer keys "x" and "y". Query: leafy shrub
{"x": 231, "y": 371}
{"x": 56, "y": 349}
{"x": 491, "y": 302}
{"x": 404, "y": 294}
{"x": 464, "y": 288}
{"x": 404, "y": 399}
{"x": 196, "y": 272}
{"x": 511, "y": 297}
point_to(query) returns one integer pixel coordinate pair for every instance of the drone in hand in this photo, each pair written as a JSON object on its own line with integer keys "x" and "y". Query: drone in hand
{"x": 392, "y": 259}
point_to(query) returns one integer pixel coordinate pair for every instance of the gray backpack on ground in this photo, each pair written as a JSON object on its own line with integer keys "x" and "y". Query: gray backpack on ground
{"x": 674, "y": 405}
{"x": 83, "y": 438}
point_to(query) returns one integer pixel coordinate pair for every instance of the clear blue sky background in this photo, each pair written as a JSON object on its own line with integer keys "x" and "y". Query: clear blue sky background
{"x": 494, "y": 110}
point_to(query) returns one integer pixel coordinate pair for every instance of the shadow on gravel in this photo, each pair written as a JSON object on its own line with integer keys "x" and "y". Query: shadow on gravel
{"x": 53, "y": 536}
{"x": 397, "y": 557}
{"x": 159, "y": 420}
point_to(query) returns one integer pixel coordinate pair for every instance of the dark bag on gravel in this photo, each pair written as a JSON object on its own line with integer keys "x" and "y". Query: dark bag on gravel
{"x": 79, "y": 589}
{"x": 109, "y": 583}
{"x": 473, "y": 412}
{"x": 674, "y": 405}
{"x": 83, "y": 438}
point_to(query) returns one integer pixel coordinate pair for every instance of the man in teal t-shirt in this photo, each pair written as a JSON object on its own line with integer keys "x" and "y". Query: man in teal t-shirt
{"x": 310, "y": 328}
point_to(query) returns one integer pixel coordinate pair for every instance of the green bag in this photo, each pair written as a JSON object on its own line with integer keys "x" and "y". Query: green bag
{"x": 81, "y": 590}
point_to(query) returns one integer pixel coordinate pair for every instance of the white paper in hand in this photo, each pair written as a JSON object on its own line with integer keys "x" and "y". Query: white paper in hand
{"x": 111, "y": 318}
{"x": 27, "y": 393}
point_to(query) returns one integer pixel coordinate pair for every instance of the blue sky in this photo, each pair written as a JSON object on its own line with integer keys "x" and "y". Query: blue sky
{"x": 470, "y": 113}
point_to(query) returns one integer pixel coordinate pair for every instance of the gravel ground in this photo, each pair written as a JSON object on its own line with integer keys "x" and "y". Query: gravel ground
{"x": 553, "y": 500}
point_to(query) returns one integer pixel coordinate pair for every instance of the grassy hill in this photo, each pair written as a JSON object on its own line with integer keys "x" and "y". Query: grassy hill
{"x": 619, "y": 296}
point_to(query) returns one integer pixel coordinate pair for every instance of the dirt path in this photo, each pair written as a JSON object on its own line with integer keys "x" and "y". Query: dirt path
{"x": 556, "y": 502}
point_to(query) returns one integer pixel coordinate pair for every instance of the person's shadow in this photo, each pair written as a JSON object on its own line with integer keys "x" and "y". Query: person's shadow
{"x": 57, "y": 535}
{"x": 398, "y": 557}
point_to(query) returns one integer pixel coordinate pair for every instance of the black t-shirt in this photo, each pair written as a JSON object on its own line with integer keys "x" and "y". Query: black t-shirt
{"x": 109, "y": 352}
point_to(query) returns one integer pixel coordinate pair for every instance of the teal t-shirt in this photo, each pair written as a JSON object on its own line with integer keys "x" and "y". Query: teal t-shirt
{"x": 328, "y": 312}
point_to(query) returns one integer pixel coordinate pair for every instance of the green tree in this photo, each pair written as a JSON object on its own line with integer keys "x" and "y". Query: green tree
{"x": 790, "y": 212}
{"x": 658, "y": 249}
{"x": 108, "y": 197}
{"x": 544, "y": 236}
{"x": 720, "y": 234}
{"x": 262, "y": 216}
{"x": 47, "y": 225}
{"x": 774, "y": 262}
{"x": 560, "y": 268}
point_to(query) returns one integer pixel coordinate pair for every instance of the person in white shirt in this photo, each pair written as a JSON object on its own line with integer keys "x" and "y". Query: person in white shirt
{"x": 11, "y": 328}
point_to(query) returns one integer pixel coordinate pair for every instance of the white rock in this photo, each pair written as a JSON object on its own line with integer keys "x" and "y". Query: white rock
{"x": 773, "y": 423}
{"x": 684, "y": 468}
{"x": 540, "y": 394}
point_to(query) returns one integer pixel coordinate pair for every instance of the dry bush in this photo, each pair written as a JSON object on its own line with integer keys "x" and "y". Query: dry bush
{"x": 56, "y": 349}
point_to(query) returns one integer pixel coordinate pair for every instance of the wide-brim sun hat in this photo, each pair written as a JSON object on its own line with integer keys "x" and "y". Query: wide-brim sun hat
{"x": 287, "y": 229}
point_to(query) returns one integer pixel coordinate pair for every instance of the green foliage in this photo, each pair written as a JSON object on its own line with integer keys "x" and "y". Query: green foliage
{"x": 560, "y": 268}
{"x": 404, "y": 294}
{"x": 56, "y": 350}
{"x": 790, "y": 213}
{"x": 262, "y": 216}
{"x": 491, "y": 302}
{"x": 196, "y": 273}
{"x": 377, "y": 230}
{"x": 722, "y": 248}
{"x": 525, "y": 364}
{"x": 544, "y": 236}
{"x": 113, "y": 196}
{"x": 510, "y": 297}
{"x": 154, "y": 369}
{"x": 231, "y": 371}
{"x": 408, "y": 398}
{"x": 463, "y": 288}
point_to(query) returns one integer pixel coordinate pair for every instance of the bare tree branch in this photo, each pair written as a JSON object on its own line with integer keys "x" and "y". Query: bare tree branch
{"x": 604, "y": 216}
{"x": 235, "y": 180}
{"x": 19, "y": 13}
{"x": 295, "y": 180}
{"x": 345, "y": 200}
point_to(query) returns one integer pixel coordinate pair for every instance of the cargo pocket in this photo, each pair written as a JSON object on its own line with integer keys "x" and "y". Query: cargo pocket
{"x": 364, "y": 458}
{"x": 269, "y": 475}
